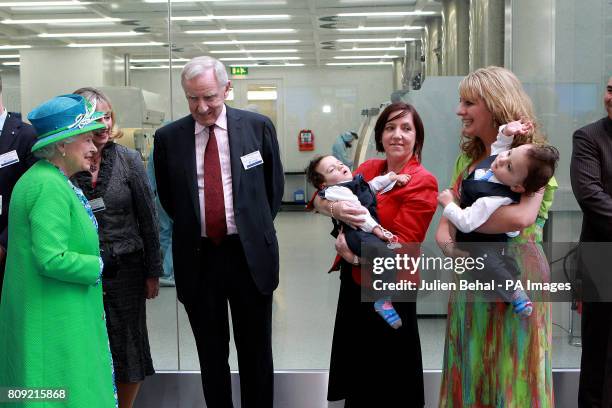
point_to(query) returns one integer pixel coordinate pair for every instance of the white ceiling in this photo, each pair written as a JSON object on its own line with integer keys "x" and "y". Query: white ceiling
{"x": 312, "y": 26}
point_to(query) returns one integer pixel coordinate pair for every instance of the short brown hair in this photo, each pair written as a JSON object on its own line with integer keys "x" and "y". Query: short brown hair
{"x": 405, "y": 109}
{"x": 312, "y": 175}
{"x": 541, "y": 167}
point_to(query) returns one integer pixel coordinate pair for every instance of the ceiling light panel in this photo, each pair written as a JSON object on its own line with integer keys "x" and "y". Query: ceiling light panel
{"x": 133, "y": 44}
{"x": 230, "y": 42}
{"x": 369, "y": 49}
{"x": 59, "y": 21}
{"x": 366, "y": 56}
{"x": 389, "y": 14}
{"x": 230, "y": 2}
{"x": 236, "y": 65}
{"x": 373, "y": 40}
{"x": 243, "y": 31}
{"x": 267, "y": 65}
{"x": 252, "y": 51}
{"x": 245, "y": 17}
{"x": 358, "y": 63}
{"x": 390, "y": 28}
{"x": 139, "y": 60}
{"x": 157, "y": 67}
{"x": 260, "y": 58}
{"x": 9, "y": 56}
{"x": 91, "y": 35}
{"x": 187, "y": 1}
{"x": 69, "y": 3}
{"x": 14, "y": 47}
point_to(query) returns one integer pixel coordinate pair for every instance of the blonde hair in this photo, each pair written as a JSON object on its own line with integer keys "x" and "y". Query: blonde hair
{"x": 94, "y": 95}
{"x": 505, "y": 98}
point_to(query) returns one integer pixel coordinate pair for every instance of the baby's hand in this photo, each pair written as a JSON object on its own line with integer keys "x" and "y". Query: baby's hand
{"x": 379, "y": 233}
{"x": 400, "y": 179}
{"x": 518, "y": 127}
{"x": 445, "y": 197}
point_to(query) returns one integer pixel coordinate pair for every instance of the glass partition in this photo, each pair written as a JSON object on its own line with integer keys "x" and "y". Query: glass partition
{"x": 324, "y": 67}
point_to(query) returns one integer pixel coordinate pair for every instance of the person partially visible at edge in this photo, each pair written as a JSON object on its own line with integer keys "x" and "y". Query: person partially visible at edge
{"x": 165, "y": 228}
{"x": 52, "y": 322}
{"x": 342, "y": 146}
{"x": 372, "y": 364}
{"x": 16, "y": 140}
{"x": 117, "y": 187}
{"x": 220, "y": 180}
{"x": 591, "y": 177}
{"x": 491, "y": 358}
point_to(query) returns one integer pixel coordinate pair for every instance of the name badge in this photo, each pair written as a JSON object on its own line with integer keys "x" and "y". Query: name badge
{"x": 97, "y": 204}
{"x": 9, "y": 158}
{"x": 251, "y": 160}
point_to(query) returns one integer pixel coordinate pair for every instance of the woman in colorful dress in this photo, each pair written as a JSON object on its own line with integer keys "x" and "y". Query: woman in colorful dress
{"x": 491, "y": 357}
{"x": 52, "y": 323}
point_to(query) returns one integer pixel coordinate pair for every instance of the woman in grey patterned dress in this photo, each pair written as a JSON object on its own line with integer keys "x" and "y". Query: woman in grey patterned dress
{"x": 118, "y": 190}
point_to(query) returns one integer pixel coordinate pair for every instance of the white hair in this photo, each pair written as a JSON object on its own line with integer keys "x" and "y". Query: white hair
{"x": 50, "y": 151}
{"x": 199, "y": 65}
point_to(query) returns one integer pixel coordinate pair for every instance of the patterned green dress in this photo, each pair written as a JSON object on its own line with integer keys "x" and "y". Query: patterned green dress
{"x": 493, "y": 358}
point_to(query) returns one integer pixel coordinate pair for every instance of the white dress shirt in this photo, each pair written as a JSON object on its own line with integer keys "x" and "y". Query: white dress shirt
{"x": 340, "y": 193}
{"x": 468, "y": 219}
{"x": 201, "y": 140}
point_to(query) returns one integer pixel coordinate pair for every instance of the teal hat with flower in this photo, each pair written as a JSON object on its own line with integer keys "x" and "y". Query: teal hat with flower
{"x": 62, "y": 117}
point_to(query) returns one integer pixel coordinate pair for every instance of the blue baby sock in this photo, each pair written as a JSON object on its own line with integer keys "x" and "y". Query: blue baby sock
{"x": 385, "y": 309}
{"x": 521, "y": 304}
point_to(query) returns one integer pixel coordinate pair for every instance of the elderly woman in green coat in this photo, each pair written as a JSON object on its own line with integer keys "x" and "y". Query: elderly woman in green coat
{"x": 52, "y": 328}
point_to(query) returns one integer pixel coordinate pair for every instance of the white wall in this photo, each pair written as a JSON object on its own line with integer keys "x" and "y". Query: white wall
{"x": 112, "y": 70}
{"x": 304, "y": 92}
{"x": 11, "y": 93}
{"x": 46, "y": 73}
{"x": 558, "y": 51}
{"x": 11, "y": 82}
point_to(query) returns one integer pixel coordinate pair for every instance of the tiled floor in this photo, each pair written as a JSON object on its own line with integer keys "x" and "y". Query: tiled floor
{"x": 303, "y": 311}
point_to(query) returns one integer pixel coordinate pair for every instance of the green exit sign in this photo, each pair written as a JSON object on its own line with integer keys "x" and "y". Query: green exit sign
{"x": 239, "y": 70}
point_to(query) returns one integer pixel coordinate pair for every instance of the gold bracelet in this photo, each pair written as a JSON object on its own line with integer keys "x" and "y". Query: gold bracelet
{"x": 331, "y": 208}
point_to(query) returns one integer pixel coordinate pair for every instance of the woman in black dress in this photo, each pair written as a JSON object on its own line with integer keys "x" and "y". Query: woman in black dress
{"x": 372, "y": 364}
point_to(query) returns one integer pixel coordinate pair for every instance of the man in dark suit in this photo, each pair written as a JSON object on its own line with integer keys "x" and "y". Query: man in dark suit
{"x": 16, "y": 140}
{"x": 591, "y": 176}
{"x": 220, "y": 179}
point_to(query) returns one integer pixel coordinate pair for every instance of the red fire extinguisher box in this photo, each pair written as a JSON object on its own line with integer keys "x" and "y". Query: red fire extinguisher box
{"x": 306, "y": 140}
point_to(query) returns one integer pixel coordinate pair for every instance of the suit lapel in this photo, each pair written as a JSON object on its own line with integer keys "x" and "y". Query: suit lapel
{"x": 234, "y": 131}
{"x": 7, "y": 137}
{"x": 187, "y": 154}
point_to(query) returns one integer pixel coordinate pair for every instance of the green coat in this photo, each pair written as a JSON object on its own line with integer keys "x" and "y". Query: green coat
{"x": 52, "y": 326}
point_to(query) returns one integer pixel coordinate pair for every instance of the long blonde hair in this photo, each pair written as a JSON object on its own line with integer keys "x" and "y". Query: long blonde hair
{"x": 505, "y": 98}
{"x": 94, "y": 95}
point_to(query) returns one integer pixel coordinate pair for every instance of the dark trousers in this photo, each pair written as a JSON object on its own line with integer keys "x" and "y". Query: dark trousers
{"x": 367, "y": 245}
{"x": 225, "y": 278}
{"x": 499, "y": 265}
{"x": 595, "y": 389}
